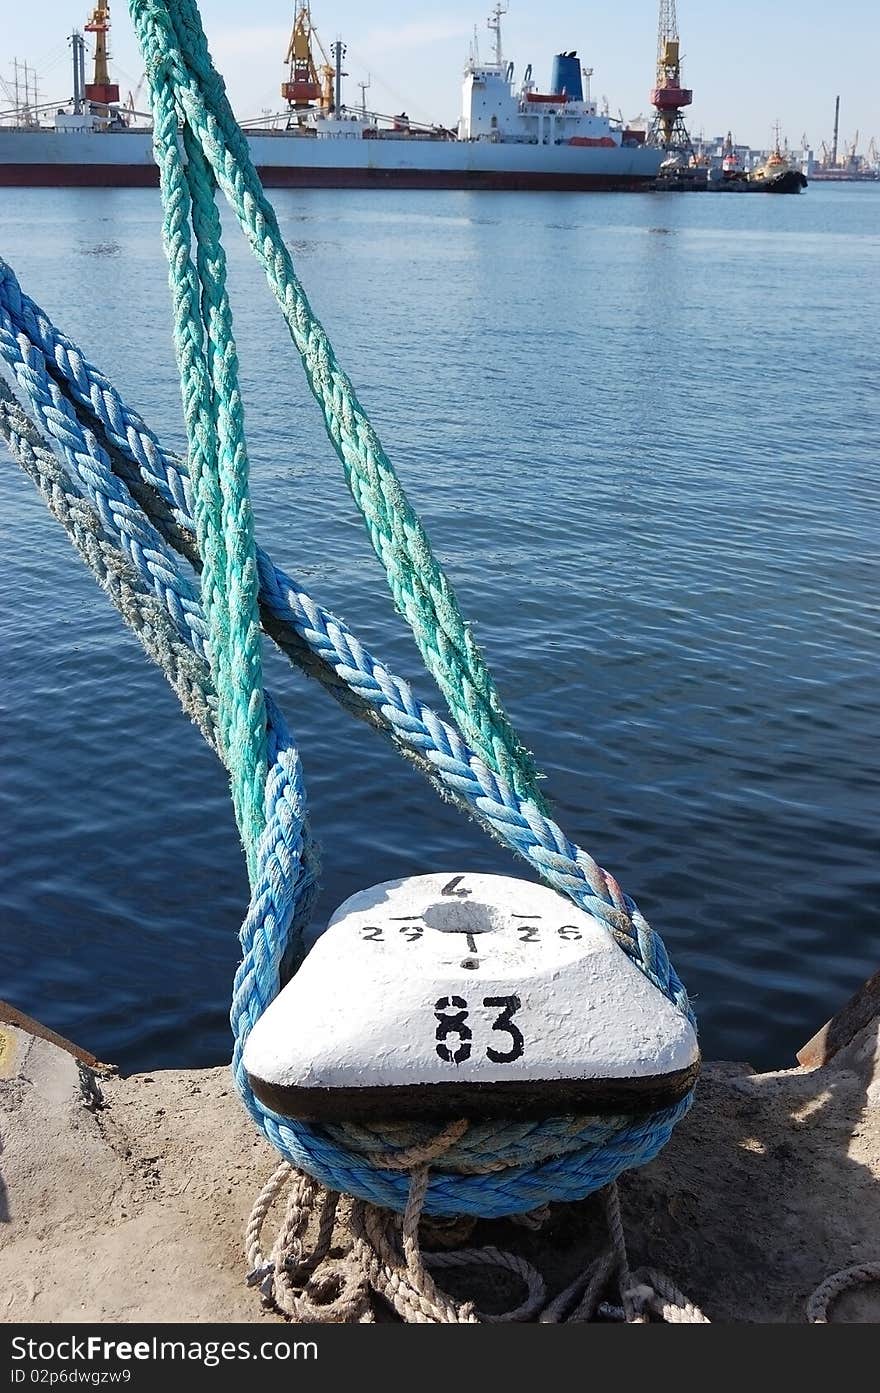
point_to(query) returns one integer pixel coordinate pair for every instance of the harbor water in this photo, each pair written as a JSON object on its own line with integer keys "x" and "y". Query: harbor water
{"x": 642, "y": 431}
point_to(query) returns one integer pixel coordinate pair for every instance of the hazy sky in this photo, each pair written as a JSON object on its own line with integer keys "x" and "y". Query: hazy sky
{"x": 749, "y": 62}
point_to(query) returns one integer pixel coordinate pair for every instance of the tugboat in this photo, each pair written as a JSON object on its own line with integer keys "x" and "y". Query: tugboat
{"x": 776, "y": 175}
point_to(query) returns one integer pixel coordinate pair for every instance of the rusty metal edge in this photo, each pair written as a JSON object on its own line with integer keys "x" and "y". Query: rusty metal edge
{"x": 859, "y": 1011}
{"x": 10, "y": 1015}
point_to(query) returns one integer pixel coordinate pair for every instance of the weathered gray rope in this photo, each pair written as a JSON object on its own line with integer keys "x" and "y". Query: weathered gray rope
{"x": 654, "y": 1292}
{"x": 186, "y": 669}
{"x": 822, "y": 1298}
{"x": 390, "y": 1261}
{"x": 289, "y": 1278}
{"x": 490, "y": 1256}
{"x": 643, "y": 1293}
{"x": 580, "y": 1299}
{"x": 147, "y": 617}
{"x": 386, "y": 1252}
{"x": 420, "y": 1153}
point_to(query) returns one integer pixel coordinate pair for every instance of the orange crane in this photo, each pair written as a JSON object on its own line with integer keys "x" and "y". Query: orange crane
{"x": 101, "y": 90}
{"x": 306, "y": 84}
{"x": 669, "y": 98}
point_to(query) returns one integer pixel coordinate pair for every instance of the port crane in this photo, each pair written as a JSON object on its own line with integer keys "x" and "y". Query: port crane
{"x": 306, "y": 84}
{"x": 131, "y": 111}
{"x": 101, "y": 90}
{"x": 669, "y": 98}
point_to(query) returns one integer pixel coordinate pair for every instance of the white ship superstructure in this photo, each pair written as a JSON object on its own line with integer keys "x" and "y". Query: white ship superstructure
{"x": 493, "y": 109}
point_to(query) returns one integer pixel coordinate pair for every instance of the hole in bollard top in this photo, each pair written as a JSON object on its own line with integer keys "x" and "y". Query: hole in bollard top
{"x": 464, "y": 917}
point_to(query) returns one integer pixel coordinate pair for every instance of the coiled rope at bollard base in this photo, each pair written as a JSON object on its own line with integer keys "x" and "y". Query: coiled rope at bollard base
{"x": 385, "y": 1255}
{"x": 381, "y": 1252}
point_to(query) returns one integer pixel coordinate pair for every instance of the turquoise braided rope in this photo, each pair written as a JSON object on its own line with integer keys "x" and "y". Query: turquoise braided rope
{"x": 214, "y": 417}
{"x": 27, "y": 338}
{"x": 175, "y": 54}
{"x": 561, "y": 1158}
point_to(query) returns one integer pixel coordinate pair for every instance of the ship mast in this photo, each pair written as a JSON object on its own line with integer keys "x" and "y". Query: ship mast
{"x": 101, "y": 90}
{"x": 777, "y": 137}
{"x": 338, "y": 51}
{"x": 24, "y": 116}
{"x": 78, "y": 47}
{"x": 493, "y": 24}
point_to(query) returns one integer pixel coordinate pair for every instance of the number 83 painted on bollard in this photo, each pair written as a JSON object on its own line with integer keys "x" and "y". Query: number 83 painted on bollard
{"x": 452, "y": 1013}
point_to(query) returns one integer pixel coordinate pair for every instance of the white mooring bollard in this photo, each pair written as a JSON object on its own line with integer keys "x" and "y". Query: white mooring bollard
{"x": 459, "y": 995}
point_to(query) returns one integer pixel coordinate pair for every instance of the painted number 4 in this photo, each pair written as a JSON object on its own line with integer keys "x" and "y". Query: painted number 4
{"x": 455, "y": 1037}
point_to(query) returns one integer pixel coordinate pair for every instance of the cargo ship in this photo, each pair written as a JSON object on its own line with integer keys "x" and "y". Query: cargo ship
{"x": 510, "y": 135}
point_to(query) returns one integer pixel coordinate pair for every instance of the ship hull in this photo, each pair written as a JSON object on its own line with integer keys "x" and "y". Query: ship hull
{"x": 74, "y": 176}
{"x": 279, "y": 177}
{"x": 791, "y": 181}
{"x": 42, "y": 159}
{"x": 782, "y": 184}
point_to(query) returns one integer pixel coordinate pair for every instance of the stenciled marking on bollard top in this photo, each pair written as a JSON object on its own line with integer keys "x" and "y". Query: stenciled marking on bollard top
{"x": 459, "y": 995}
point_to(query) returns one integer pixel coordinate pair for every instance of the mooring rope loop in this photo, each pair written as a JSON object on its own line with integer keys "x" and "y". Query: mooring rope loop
{"x": 820, "y": 1303}
{"x": 597, "y": 1148}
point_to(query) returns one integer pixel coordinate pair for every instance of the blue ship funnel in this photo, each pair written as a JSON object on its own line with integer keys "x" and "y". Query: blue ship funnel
{"x": 567, "y": 76}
